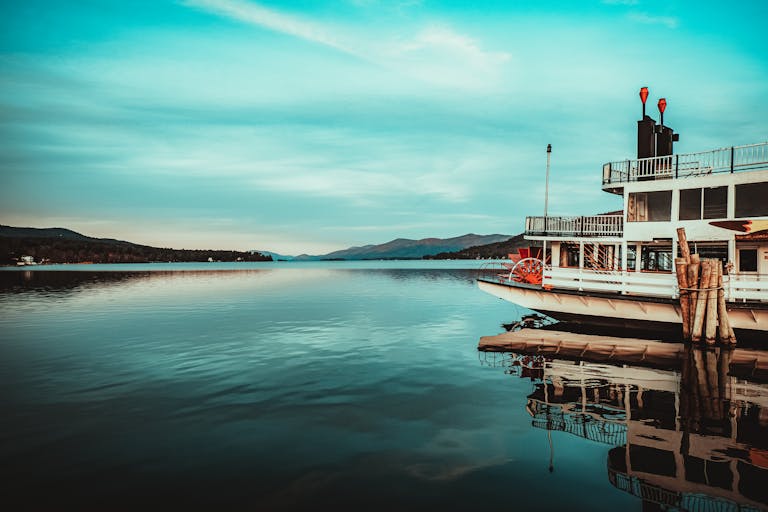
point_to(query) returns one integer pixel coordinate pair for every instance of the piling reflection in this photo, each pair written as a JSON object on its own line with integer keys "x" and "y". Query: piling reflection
{"x": 694, "y": 439}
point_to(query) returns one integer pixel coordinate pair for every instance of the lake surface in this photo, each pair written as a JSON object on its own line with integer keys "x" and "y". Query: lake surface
{"x": 335, "y": 385}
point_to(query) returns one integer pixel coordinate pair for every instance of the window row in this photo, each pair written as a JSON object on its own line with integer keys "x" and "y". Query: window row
{"x": 698, "y": 203}
{"x": 653, "y": 257}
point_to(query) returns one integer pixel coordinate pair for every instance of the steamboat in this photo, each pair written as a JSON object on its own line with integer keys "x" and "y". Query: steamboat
{"x": 620, "y": 265}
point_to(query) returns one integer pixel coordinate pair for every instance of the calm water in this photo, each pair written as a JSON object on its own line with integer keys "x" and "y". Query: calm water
{"x": 308, "y": 387}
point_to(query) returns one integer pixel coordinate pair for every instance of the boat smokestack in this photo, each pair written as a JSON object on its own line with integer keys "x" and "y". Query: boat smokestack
{"x": 646, "y": 131}
{"x": 665, "y": 136}
{"x": 654, "y": 140}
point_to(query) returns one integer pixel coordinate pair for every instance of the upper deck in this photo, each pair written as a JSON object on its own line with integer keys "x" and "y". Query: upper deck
{"x": 750, "y": 157}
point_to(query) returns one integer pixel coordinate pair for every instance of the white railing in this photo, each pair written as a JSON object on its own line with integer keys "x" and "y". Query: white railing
{"x": 594, "y": 225}
{"x": 738, "y": 287}
{"x": 737, "y": 158}
{"x": 744, "y": 287}
{"x": 628, "y": 283}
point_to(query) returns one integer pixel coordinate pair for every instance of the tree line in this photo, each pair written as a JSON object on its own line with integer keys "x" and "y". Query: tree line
{"x": 57, "y": 250}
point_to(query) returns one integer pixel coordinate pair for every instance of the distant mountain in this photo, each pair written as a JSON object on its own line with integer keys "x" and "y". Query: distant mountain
{"x": 405, "y": 248}
{"x": 55, "y": 233}
{"x": 60, "y": 245}
{"x": 275, "y": 256}
{"x": 496, "y": 250}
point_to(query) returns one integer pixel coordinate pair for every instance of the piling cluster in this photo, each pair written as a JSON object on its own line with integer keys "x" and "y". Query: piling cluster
{"x": 702, "y": 297}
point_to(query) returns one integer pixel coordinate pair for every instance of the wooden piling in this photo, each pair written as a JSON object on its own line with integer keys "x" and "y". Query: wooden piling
{"x": 693, "y": 281}
{"x": 681, "y": 267}
{"x": 701, "y": 302}
{"x": 713, "y": 387}
{"x": 682, "y": 241}
{"x": 726, "y": 331}
{"x": 711, "y": 285}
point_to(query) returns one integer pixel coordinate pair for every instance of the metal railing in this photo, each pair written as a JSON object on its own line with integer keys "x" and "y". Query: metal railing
{"x": 642, "y": 489}
{"x": 582, "y": 425}
{"x": 750, "y": 157}
{"x": 594, "y": 225}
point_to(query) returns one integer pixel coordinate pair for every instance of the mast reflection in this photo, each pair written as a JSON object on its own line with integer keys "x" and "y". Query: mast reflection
{"x": 694, "y": 439}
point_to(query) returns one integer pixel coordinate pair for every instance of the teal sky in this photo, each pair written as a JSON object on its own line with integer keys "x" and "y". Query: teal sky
{"x": 301, "y": 126}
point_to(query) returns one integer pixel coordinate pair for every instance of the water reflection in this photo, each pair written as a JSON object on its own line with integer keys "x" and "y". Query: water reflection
{"x": 49, "y": 281}
{"x": 696, "y": 439}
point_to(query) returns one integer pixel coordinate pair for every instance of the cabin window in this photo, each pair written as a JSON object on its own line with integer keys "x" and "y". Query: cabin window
{"x": 569, "y": 255}
{"x": 631, "y": 257}
{"x": 649, "y": 206}
{"x": 717, "y": 250}
{"x": 706, "y": 203}
{"x": 747, "y": 260}
{"x": 656, "y": 258}
{"x": 601, "y": 257}
{"x": 715, "y": 203}
{"x": 690, "y": 204}
{"x": 752, "y": 200}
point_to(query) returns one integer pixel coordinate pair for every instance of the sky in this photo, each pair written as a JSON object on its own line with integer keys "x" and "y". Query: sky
{"x": 310, "y": 126}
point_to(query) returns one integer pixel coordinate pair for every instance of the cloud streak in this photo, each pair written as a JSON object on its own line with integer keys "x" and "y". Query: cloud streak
{"x": 255, "y": 14}
{"x": 435, "y": 54}
{"x": 642, "y": 17}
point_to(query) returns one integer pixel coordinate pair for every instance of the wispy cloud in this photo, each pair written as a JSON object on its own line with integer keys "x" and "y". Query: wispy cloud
{"x": 436, "y": 54}
{"x": 642, "y": 17}
{"x": 359, "y": 186}
{"x": 401, "y": 4}
{"x": 255, "y": 14}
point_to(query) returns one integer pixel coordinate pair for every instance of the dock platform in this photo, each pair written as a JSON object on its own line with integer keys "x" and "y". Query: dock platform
{"x": 635, "y": 351}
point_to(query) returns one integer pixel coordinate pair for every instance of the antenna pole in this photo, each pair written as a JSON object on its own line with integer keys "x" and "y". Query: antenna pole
{"x": 546, "y": 201}
{"x": 546, "y": 183}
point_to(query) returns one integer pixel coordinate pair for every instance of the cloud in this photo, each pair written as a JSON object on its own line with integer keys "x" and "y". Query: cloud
{"x": 398, "y": 5}
{"x": 438, "y": 53}
{"x": 667, "y": 21}
{"x": 621, "y": 2}
{"x": 358, "y": 186}
{"x": 435, "y": 54}
{"x": 255, "y": 14}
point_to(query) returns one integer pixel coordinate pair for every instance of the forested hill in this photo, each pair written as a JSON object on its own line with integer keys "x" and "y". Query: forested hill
{"x": 497, "y": 250}
{"x": 406, "y": 248}
{"x": 59, "y": 245}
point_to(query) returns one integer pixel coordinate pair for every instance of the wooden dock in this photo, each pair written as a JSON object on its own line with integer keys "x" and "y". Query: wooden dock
{"x": 636, "y": 351}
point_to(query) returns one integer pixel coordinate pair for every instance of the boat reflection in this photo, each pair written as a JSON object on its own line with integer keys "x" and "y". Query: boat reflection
{"x": 694, "y": 439}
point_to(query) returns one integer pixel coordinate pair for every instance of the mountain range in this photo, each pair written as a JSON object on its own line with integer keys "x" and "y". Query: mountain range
{"x": 66, "y": 246}
{"x": 402, "y": 248}
{"x": 54, "y": 233}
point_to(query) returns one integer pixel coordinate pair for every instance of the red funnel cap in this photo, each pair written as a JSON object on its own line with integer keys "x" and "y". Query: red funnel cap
{"x": 643, "y": 94}
{"x": 662, "y": 105}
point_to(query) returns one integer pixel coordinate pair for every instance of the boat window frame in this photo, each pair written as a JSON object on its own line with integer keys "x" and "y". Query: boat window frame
{"x": 702, "y": 203}
{"x": 698, "y": 208}
{"x": 658, "y": 249}
{"x": 748, "y": 208}
{"x": 639, "y": 206}
{"x": 753, "y": 248}
{"x": 704, "y": 214}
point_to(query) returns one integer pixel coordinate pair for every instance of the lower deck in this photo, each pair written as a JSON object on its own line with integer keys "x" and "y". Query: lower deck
{"x": 744, "y": 315}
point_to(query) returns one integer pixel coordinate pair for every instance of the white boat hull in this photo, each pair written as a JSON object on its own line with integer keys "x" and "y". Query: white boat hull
{"x": 622, "y": 307}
